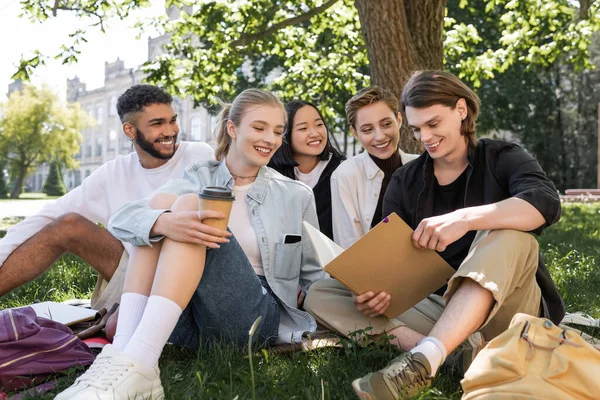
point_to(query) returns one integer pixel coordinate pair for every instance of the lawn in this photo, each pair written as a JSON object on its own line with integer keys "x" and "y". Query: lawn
{"x": 571, "y": 250}
{"x": 33, "y": 196}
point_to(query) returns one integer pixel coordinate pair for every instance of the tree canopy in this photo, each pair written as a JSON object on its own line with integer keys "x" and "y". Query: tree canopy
{"x": 325, "y": 50}
{"x": 35, "y": 127}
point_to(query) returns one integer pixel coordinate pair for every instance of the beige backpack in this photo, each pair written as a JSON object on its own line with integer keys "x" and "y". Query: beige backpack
{"x": 534, "y": 359}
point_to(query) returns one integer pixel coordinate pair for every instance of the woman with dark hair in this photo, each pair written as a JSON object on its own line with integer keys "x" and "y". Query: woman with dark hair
{"x": 307, "y": 155}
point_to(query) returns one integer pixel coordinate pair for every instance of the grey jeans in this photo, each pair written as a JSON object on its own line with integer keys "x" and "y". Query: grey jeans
{"x": 229, "y": 298}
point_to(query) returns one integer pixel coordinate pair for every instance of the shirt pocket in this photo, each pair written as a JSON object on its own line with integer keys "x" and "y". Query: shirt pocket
{"x": 288, "y": 257}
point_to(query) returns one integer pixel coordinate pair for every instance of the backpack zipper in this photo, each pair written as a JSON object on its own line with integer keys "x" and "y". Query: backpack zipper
{"x": 39, "y": 352}
{"x": 12, "y": 322}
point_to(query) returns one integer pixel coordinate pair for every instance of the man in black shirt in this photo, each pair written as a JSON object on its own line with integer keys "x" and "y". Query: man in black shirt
{"x": 473, "y": 201}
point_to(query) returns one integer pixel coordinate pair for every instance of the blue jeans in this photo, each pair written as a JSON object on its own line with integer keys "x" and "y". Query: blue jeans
{"x": 229, "y": 298}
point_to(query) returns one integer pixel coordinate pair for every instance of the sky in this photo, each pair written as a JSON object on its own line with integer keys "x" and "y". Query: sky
{"x": 19, "y": 36}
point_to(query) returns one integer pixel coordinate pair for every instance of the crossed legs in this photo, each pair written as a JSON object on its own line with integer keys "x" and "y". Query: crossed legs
{"x": 496, "y": 281}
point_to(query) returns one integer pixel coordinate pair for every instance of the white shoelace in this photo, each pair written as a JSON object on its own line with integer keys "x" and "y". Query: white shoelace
{"x": 104, "y": 372}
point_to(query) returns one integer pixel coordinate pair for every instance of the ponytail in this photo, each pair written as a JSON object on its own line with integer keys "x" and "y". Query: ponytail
{"x": 223, "y": 138}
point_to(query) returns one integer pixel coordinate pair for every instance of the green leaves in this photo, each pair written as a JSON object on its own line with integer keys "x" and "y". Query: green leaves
{"x": 315, "y": 49}
{"x": 37, "y": 128}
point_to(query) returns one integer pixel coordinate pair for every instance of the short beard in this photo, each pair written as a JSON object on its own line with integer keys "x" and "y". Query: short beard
{"x": 148, "y": 147}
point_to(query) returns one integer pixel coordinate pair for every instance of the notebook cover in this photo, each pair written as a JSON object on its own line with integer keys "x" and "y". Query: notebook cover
{"x": 385, "y": 260}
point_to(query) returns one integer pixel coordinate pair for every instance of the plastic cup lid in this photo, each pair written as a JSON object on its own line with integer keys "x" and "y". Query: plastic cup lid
{"x": 216, "y": 193}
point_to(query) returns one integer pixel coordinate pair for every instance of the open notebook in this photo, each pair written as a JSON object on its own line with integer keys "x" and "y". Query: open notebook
{"x": 63, "y": 313}
{"x": 384, "y": 260}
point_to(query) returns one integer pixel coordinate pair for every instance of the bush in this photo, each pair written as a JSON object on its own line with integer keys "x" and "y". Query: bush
{"x": 54, "y": 185}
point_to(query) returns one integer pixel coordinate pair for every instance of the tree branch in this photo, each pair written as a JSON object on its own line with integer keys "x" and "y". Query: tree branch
{"x": 246, "y": 39}
{"x": 57, "y": 7}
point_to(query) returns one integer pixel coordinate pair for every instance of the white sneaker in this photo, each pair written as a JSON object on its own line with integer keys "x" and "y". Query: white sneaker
{"x": 115, "y": 376}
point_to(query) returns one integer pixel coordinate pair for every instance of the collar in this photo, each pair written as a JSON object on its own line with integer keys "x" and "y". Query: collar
{"x": 428, "y": 166}
{"x": 370, "y": 167}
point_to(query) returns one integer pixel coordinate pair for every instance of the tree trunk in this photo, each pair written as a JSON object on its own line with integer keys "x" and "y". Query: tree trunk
{"x": 16, "y": 191}
{"x": 402, "y": 36}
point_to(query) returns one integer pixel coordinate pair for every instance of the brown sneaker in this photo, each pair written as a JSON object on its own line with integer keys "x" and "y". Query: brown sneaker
{"x": 405, "y": 376}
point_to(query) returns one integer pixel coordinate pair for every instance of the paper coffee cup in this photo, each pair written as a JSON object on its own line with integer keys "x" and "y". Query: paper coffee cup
{"x": 216, "y": 198}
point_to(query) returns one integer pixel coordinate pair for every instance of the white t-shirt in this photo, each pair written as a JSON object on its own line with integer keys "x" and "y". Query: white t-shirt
{"x": 109, "y": 187}
{"x": 241, "y": 227}
{"x": 313, "y": 176}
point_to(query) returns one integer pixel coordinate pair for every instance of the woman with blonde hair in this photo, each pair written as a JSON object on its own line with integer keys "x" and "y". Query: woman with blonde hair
{"x": 177, "y": 291}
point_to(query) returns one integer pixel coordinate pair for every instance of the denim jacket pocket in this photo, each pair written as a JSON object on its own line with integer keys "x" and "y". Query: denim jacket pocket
{"x": 288, "y": 257}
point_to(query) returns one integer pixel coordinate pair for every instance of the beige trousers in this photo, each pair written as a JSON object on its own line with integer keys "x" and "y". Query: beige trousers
{"x": 502, "y": 261}
{"x": 107, "y": 293}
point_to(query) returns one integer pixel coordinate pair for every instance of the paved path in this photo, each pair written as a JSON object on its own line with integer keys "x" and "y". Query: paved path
{"x": 21, "y": 208}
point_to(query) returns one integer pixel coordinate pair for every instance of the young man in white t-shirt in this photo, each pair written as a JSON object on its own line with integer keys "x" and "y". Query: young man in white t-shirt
{"x": 70, "y": 224}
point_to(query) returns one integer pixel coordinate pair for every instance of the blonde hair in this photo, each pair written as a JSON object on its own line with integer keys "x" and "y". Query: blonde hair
{"x": 235, "y": 111}
{"x": 367, "y": 96}
{"x": 428, "y": 88}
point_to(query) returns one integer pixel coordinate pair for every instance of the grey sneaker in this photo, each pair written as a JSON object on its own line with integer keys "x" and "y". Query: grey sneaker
{"x": 405, "y": 376}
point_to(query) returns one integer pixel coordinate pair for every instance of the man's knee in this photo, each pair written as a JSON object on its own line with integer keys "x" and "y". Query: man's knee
{"x": 510, "y": 238}
{"x": 71, "y": 219}
{"x": 68, "y": 226}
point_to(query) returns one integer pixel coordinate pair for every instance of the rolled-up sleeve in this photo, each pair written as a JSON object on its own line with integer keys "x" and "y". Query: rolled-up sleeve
{"x": 527, "y": 181}
{"x": 133, "y": 222}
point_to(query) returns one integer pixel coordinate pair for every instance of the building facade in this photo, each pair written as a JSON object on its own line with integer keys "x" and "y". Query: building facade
{"x": 106, "y": 140}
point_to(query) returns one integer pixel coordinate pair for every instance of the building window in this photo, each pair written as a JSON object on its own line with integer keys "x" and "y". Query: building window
{"x": 100, "y": 115}
{"x": 112, "y": 106}
{"x": 99, "y": 146}
{"x": 77, "y": 178}
{"x": 88, "y": 148}
{"x": 87, "y": 173}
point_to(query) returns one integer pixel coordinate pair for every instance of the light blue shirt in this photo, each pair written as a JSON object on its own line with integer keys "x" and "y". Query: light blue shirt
{"x": 277, "y": 207}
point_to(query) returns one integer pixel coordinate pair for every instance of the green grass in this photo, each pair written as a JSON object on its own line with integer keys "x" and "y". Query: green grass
{"x": 33, "y": 196}
{"x": 570, "y": 248}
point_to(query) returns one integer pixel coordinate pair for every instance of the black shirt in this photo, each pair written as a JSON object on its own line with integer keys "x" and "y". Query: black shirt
{"x": 446, "y": 199}
{"x": 388, "y": 166}
{"x": 450, "y": 198}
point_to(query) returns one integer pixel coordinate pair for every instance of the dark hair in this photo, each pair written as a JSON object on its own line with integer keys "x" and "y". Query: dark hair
{"x": 139, "y": 96}
{"x": 367, "y": 96}
{"x": 235, "y": 111}
{"x": 428, "y": 88}
{"x": 284, "y": 156}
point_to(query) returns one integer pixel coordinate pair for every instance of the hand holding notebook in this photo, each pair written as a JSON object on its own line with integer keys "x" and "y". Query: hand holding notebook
{"x": 384, "y": 260}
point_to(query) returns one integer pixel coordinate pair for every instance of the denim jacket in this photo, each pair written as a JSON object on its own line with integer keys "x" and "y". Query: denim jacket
{"x": 277, "y": 206}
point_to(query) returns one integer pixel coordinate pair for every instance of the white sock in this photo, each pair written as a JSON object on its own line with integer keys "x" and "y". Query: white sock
{"x": 131, "y": 310}
{"x": 433, "y": 350}
{"x": 151, "y": 335}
